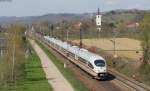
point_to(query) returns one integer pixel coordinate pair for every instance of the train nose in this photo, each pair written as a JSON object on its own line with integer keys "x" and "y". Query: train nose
{"x": 101, "y": 70}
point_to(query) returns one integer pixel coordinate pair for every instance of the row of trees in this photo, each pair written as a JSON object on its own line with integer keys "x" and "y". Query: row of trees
{"x": 13, "y": 63}
{"x": 88, "y": 27}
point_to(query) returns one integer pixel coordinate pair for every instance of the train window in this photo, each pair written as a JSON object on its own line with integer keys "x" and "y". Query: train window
{"x": 90, "y": 65}
{"x": 82, "y": 60}
{"x": 71, "y": 54}
{"x": 99, "y": 63}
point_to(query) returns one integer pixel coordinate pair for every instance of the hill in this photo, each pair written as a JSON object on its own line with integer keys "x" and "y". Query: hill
{"x": 51, "y": 18}
{"x": 110, "y": 16}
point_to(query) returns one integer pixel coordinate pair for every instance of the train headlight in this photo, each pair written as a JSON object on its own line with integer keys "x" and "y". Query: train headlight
{"x": 96, "y": 70}
{"x": 105, "y": 70}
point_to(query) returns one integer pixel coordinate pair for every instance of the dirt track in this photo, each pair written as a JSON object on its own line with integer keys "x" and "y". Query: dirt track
{"x": 55, "y": 78}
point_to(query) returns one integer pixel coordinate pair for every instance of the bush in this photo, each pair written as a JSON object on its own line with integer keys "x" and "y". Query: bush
{"x": 144, "y": 72}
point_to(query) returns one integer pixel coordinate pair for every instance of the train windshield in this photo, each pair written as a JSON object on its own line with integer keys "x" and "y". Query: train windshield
{"x": 100, "y": 63}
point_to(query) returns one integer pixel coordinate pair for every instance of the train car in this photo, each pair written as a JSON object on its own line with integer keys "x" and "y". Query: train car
{"x": 95, "y": 62}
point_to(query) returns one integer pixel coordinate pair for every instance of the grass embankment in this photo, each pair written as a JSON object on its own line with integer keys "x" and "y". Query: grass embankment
{"x": 34, "y": 79}
{"x": 142, "y": 74}
{"x": 68, "y": 74}
{"x": 127, "y": 62}
{"x": 129, "y": 68}
{"x": 145, "y": 74}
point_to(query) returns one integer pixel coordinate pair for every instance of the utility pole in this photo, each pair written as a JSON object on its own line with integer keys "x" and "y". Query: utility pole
{"x": 13, "y": 57}
{"x": 49, "y": 28}
{"x": 80, "y": 38}
{"x": 80, "y": 28}
{"x": 13, "y": 61}
{"x": 52, "y": 28}
{"x": 1, "y": 47}
{"x": 98, "y": 22}
{"x": 114, "y": 44}
{"x": 67, "y": 42}
{"x": 67, "y": 35}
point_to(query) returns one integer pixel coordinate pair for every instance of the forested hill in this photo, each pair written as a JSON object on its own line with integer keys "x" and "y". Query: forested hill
{"x": 52, "y": 18}
{"x": 110, "y": 16}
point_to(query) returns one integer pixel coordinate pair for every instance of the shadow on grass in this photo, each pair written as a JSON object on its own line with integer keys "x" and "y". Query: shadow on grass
{"x": 37, "y": 79}
{"x": 32, "y": 68}
{"x": 34, "y": 80}
{"x": 37, "y": 66}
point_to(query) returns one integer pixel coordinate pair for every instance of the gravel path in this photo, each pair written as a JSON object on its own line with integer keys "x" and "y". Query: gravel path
{"x": 55, "y": 78}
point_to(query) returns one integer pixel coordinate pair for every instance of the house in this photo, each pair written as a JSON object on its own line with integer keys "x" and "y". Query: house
{"x": 133, "y": 25}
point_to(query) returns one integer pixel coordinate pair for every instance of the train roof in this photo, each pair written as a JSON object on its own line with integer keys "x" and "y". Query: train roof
{"x": 83, "y": 53}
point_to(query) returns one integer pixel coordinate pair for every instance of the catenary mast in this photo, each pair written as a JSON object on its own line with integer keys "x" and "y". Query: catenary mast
{"x": 98, "y": 20}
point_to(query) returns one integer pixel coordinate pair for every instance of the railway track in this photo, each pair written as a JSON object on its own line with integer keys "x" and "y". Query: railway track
{"x": 92, "y": 84}
{"x": 136, "y": 86}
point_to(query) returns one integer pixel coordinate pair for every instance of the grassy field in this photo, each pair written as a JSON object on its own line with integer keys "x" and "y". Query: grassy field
{"x": 34, "y": 79}
{"x": 68, "y": 74}
{"x": 125, "y": 47}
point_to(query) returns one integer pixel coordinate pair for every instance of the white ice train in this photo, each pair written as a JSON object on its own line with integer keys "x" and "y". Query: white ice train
{"x": 95, "y": 63}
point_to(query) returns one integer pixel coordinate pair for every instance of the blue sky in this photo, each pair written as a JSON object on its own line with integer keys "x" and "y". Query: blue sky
{"x": 40, "y": 7}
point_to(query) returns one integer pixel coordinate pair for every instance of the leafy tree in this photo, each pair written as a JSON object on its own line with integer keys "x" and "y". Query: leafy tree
{"x": 145, "y": 27}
